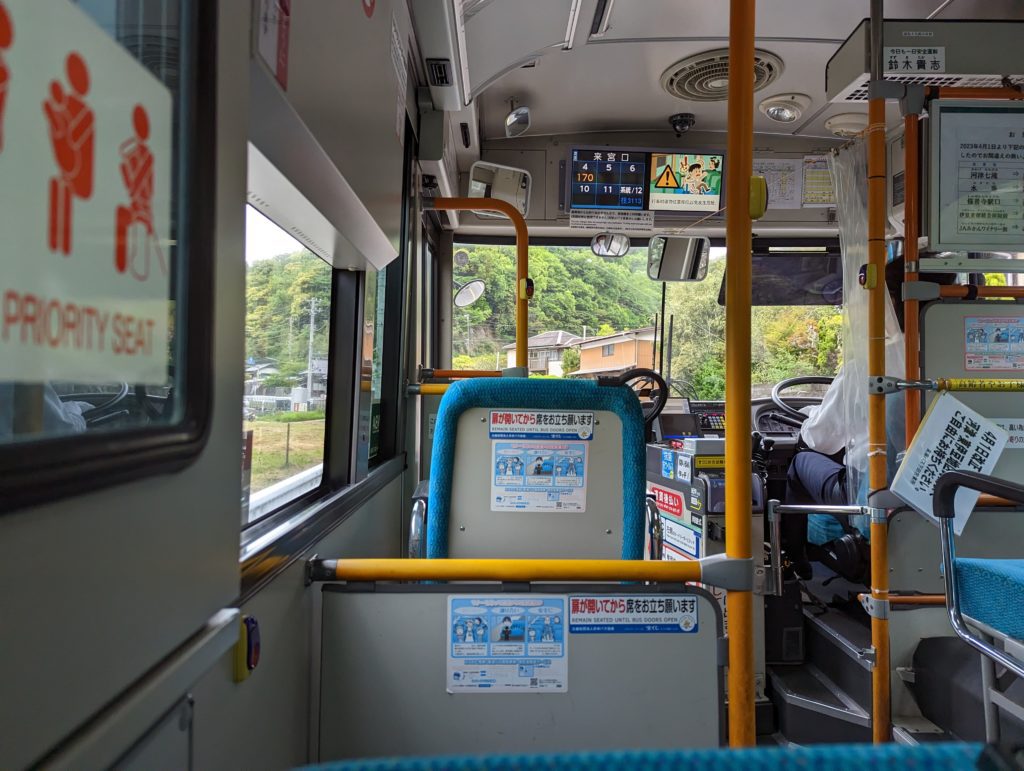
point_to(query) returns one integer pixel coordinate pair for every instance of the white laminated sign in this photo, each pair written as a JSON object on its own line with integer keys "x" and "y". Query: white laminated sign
{"x": 507, "y": 644}
{"x": 539, "y": 459}
{"x": 85, "y": 179}
{"x": 952, "y": 437}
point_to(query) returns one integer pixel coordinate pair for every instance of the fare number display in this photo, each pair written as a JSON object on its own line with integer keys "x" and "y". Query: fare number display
{"x": 608, "y": 179}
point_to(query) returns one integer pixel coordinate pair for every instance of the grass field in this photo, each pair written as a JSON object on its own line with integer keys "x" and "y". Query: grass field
{"x": 305, "y": 449}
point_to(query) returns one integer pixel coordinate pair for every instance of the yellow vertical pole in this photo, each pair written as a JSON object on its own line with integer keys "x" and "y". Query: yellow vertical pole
{"x": 738, "y": 171}
{"x": 522, "y": 260}
{"x": 877, "y": 473}
{"x": 911, "y": 308}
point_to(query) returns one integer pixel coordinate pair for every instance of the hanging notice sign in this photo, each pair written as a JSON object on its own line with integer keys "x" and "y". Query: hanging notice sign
{"x": 816, "y": 182}
{"x": 85, "y": 180}
{"x": 633, "y": 614}
{"x": 507, "y": 644}
{"x": 952, "y": 437}
{"x": 994, "y": 344}
{"x": 785, "y": 181}
{"x": 539, "y": 459}
{"x": 977, "y": 203}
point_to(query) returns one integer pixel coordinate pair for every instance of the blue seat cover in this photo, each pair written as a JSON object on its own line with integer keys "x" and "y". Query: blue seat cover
{"x": 524, "y": 393}
{"x": 827, "y": 757}
{"x": 992, "y": 591}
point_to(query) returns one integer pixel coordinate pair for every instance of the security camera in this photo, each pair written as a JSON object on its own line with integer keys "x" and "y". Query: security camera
{"x": 682, "y": 122}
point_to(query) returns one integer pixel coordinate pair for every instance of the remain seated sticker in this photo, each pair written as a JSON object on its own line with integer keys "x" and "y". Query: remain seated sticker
{"x": 538, "y": 475}
{"x": 633, "y": 614}
{"x": 507, "y": 644}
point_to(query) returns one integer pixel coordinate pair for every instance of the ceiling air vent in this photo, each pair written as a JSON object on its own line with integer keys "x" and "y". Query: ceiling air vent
{"x": 704, "y": 77}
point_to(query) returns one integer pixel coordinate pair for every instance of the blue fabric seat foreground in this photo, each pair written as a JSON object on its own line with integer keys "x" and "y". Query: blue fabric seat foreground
{"x": 992, "y": 591}
{"x": 524, "y": 393}
{"x": 834, "y": 757}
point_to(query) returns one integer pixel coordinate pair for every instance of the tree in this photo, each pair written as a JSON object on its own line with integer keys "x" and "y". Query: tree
{"x": 570, "y": 360}
{"x": 605, "y": 329}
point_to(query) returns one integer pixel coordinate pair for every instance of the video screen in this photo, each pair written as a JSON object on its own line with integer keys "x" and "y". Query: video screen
{"x": 607, "y": 179}
{"x": 685, "y": 182}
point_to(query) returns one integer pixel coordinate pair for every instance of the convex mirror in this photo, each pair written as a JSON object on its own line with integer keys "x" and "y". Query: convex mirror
{"x": 609, "y": 244}
{"x": 469, "y": 293}
{"x": 505, "y": 183}
{"x": 678, "y": 258}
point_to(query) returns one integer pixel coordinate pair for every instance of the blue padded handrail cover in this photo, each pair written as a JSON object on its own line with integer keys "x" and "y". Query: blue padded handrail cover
{"x": 538, "y": 394}
{"x": 826, "y": 757}
{"x": 991, "y": 591}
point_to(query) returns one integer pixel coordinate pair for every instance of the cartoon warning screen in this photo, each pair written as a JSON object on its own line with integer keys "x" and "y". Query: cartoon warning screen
{"x": 685, "y": 182}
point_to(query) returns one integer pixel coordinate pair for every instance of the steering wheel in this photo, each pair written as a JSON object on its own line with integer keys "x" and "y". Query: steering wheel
{"x": 684, "y": 389}
{"x": 101, "y": 410}
{"x": 648, "y": 383}
{"x": 782, "y": 385}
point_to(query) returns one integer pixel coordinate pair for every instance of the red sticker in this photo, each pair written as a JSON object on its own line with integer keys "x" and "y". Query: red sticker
{"x": 668, "y": 501}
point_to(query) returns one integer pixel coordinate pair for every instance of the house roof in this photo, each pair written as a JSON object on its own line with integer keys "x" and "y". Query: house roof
{"x": 627, "y": 334}
{"x": 556, "y": 339}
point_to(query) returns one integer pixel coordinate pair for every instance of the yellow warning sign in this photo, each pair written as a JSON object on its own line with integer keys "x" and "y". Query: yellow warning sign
{"x": 667, "y": 178}
{"x": 709, "y": 461}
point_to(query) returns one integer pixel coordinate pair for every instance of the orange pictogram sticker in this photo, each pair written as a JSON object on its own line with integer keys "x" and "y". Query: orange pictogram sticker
{"x": 135, "y": 238}
{"x": 6, "y": 38}
{"x": 72, "y": 125}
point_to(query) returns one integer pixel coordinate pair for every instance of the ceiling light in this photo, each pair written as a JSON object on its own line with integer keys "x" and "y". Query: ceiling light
{"x": 847, "y": 124}
{"x": 785, "y": 108}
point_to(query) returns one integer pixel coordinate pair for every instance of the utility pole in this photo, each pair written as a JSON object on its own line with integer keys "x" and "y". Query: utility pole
{"x": 309, "y": 362}
{"x": 291, "y": 335}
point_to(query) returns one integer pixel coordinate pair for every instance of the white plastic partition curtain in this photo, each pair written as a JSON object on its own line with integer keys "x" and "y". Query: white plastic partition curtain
{"x": 849, "y": 179}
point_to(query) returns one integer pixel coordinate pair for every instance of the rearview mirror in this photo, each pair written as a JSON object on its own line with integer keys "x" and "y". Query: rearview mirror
{"x": 678, "y": 258}
{"x": 505, "y": 183}
{"x": 469, "y": 293}
{"x": 609, "y": 244}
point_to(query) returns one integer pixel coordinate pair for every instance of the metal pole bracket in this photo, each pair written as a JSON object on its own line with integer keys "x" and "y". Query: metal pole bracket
{"x": 875, "y": 607}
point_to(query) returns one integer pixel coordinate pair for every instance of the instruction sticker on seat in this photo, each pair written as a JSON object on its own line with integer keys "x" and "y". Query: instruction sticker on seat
{"x": 507, "y": 644}
{"x": 994, "y": 344}
{"x": 539, "y": 460}
{"x": 633, "y": 614}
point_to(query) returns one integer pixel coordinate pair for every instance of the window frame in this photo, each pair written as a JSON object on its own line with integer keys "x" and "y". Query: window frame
{"x": 40, "y": 470}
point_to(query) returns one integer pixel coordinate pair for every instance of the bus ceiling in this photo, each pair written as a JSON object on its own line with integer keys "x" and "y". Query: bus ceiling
{"x": 524, "y": 85}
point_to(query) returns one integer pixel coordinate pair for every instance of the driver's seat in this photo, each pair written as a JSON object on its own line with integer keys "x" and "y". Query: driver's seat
{"x": 537, "y": 468}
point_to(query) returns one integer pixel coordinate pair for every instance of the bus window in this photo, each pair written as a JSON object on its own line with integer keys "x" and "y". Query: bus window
{"x": 105, "y": 319}
{"x": 288, "y": 311}
{"x": 371, "y": 369}
{"x": 578, "y": 295}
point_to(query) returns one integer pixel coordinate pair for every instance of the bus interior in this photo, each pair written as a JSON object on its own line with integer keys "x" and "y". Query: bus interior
{"x": 601, "y": 383}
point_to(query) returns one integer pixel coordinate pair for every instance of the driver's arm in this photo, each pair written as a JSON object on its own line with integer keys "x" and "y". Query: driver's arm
{"x": 62, "y": 417}
{"x": 825, "y": 430}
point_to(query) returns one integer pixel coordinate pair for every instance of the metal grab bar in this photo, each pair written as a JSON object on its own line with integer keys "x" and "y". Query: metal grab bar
{"x": 775, "y": 512}
{"x": 418, "y": 530}
{"x": 719, "y": 570}
{"x": 943, "y": 502}
{"x": 654, "y": 530}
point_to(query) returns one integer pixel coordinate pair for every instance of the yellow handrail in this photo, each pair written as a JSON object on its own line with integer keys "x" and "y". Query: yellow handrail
{"x": 738, "y": 171}
{"x": 522, "y": 259}
{"x": 521, "y": 570}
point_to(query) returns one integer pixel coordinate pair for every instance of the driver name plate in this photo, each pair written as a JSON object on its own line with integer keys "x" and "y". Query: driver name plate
{"x": 539, "y": 459}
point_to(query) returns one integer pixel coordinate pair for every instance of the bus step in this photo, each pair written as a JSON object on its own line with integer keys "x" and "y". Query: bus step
{"x": 813, "y": 710}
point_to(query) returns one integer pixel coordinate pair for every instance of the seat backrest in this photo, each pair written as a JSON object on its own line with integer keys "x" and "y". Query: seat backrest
{"x": 537, "y": 468}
